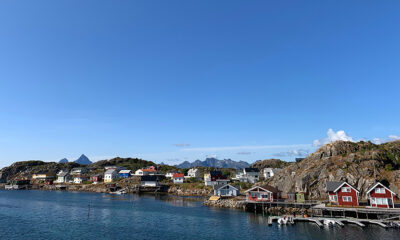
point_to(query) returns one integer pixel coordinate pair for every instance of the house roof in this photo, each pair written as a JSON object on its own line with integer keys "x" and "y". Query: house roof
{"x": 62, "y": 174}
{"x": 214, "y": 173}
{"x": 110, "y": 171}
{"x": 178, "y": 175}
{"x": 266, "y": 188}
{"x": 125, "y": 171}
{"x": 332, "y": 186}
{"x": 149, "y": 178}
{"x": 377, "y": 184}
{"x": 148, "y": 170}
{"x": 251, "y": 170}
{"x": 219, "y": 187}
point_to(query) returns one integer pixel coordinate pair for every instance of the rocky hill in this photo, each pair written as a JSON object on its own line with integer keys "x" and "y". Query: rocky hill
{"x": 357, "y": 163}
{"x": 215, "y": 163}
{"x": 270, "y": 163}
{"x": 25, "y": 169}
{"x": 130, "y": 163}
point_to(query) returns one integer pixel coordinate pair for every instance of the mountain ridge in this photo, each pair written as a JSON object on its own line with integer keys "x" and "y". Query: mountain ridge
{"x": 214, "y": 162}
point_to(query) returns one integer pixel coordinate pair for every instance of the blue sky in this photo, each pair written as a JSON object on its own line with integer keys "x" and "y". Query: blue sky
{"x": 181, "y": 80}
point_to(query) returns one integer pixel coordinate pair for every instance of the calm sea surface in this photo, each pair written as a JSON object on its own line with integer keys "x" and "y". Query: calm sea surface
{"x": 64, "y": 215}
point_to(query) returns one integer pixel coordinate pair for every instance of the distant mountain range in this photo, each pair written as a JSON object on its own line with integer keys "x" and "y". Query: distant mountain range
{"x": 213, "y": 162}
{"x": 81, "y": 160}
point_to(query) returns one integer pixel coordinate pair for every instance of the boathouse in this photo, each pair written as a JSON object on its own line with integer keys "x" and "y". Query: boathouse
{"x": 380, "y": 196}
{"x": 342, "y": 194}
{"x": 149, "y": 181}
{"x": 226, "y": 190}
{"x": 264, "y": 193}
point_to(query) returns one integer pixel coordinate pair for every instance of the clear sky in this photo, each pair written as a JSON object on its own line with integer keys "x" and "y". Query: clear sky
{"x": 181, "y": 80}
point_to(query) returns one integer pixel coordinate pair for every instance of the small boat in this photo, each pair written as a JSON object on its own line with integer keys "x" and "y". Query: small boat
{"x": 328, "y": 222}
{"x": 123, "y": 191}
{"x": 283, "y": 221}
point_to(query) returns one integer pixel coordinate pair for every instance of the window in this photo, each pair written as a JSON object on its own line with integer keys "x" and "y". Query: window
{"x": 379, "y": 190}
{"x": 345, "y": 189}
{"x": 333, "y": 198}
{"x": 346, "y": 199}
{"x": 381, "y": 201}
{"x": 265, "y": 196}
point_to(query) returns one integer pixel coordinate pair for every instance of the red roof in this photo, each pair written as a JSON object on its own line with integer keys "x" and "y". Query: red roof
{"x": 149, "y": 170}
{"x": 178, "y": 175}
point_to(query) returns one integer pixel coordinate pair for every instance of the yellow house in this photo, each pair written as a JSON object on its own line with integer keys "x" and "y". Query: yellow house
{"x": 41, "y": 176}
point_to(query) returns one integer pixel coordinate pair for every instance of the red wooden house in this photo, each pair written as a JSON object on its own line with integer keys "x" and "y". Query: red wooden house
{"x": 342, "y": 194}
{"x": 264, "y": 193}
{"x": 380, "y": 196}
{"x": 96, "y": 178}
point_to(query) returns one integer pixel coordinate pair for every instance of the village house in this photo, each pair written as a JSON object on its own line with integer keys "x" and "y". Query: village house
{"x": 215, "y": 178}
{"x": 171, "y": 173}
{"x": 380, "y": 196}
{"x": 270, "y": 172}
{"x": 226, "y": 190}
{"x": 78, "y": 171}
{"x": 42, "y": 176}
{"x": 342, "y": 194}
{"x": 178, "y": 178}
{"x": 78, "y": 179}
{"x": 145, "y": 172}
{"x": 63, "y": 177}
{"x": 250, "y": 175}
{"x": 149, "y": 181}
{"x": 264, "y": 193}
{"x": 194, "y": 173}
{"x": 110, "y": 175}
{"x": 96, "y": 178}
{"x": 125, "y": 173}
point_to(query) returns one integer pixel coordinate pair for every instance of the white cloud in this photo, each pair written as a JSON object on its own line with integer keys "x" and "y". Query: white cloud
{"x": 293, "y": 153}
{"x": 230, "y": 148}
{"x": 394, "y": 137}
{"x": 333, "y": 136}
{"x": 384, "y": 140}
{"x": 244, "y": 153}
{"x": 181, "y": 144}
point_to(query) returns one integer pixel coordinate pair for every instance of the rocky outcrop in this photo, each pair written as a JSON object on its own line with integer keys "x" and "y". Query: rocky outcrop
{"x": 270, "y": 163}
{"x": 225, "y": 203}
{"x": 357, "y": 163}
{"x": 179, "y": 191}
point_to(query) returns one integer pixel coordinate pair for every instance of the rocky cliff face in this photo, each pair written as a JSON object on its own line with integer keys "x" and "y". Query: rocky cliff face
{"x": 357, "y": 163}
{"x": 25, "y": 169}
{"x": 270, "y": 163}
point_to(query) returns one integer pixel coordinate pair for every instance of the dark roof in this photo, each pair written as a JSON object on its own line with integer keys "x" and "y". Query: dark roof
{"x": 214, "y": 173}
{"x": 63, "y": 174}
{"x": 270, "y": 188}
{"x": 332, "y": 186}
{"x": 251, "y": 170}
{"x": 149, "y": 178}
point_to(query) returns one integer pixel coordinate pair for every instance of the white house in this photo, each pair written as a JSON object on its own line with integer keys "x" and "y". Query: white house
{"x": 63, "y": 177}
{"x": 251, "y": 175}
{"x": 78, "y": 171}
{"x": 178, "y": 178}
{"x": 270, "y": 172}
{"x": 226, "y": 190}
{"x": 193, "y": 173}
{"x": 79, "y": 179}
{"x": 149, "y": 181}
{"x": 110, "y": 175}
